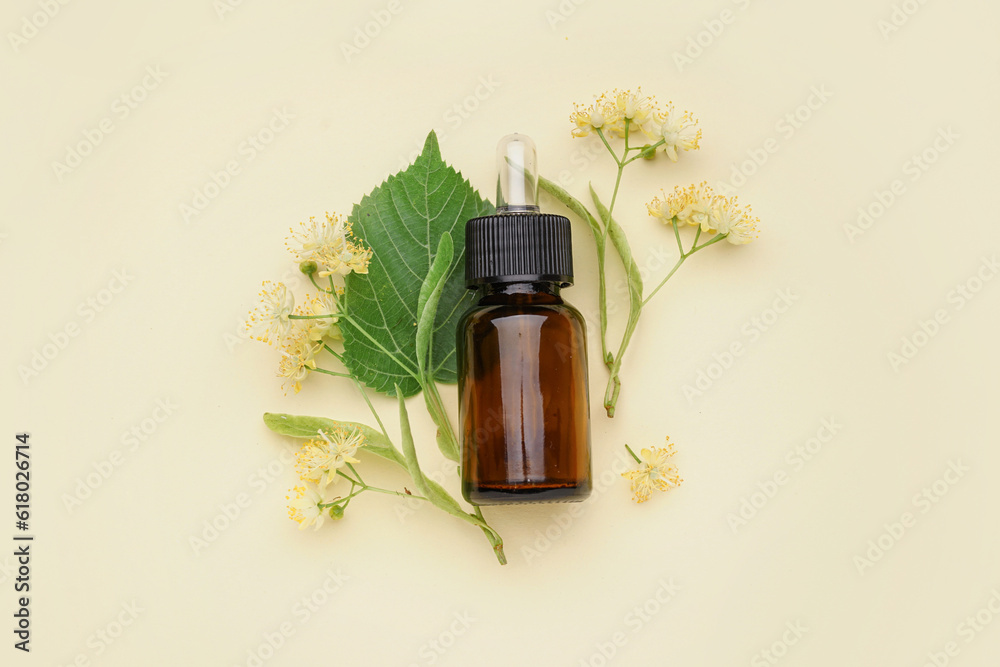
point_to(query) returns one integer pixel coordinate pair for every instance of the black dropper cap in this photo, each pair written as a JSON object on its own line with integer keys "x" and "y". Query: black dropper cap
{"x": 518, "y": 243}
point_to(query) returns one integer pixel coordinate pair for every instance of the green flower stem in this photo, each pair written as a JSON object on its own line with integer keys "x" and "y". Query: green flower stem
{"x": 345, "y": 500}
{"x": 663, "y": 282}
{"x": 351, "y": 467}
{"x": 614, "y": 383}
{"x": 361, "y": 488}
{"x": 357, "y": 383}
{"x": 618, "y": 161}
{"x": 714, "y": 239}
{"x": 322, "y": 289}
{"x": 637, "y": 459}
{"x": 394, "y": 493}
{"x": 684, "y": 255}
{"x": 354, "y": 482}
{"x": 652, "y": 147}
{"x": 313, "y": 317}
{"x": 333, "y": 373}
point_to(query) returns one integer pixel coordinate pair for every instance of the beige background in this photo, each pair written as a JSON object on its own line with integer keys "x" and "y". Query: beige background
{"x": 422, "y": 588}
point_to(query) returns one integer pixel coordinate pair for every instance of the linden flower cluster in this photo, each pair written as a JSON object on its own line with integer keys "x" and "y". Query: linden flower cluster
{"x": 698, "y": 205}
{"x": 319, "y": 460}
{"x": 329, "y": 243}
{"x": 318, "y": 463}
{"x": 619, "y": 113}
{"x": 325, "y": 248}
{"x": 654, "y": 473}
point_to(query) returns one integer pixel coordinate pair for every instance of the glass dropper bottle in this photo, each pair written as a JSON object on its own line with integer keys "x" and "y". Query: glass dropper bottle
{"x": 522, "y": 353}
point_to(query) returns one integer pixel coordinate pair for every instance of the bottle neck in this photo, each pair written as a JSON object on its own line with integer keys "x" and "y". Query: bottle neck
{"x": 518, "y": 292}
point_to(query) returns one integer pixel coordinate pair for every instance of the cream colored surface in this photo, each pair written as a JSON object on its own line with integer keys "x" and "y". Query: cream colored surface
{"x": 423, "y": 588}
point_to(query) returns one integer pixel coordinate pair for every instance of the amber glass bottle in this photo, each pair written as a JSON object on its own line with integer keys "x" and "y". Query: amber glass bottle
{"x": 522, "y": 354}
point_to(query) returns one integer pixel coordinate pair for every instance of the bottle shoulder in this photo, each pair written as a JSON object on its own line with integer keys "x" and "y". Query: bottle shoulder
{"x": 482, "y": 314}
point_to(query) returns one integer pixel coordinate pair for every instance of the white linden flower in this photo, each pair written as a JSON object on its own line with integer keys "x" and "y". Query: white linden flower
{"x": 699, "y": 205}
{"x": 655, "y": 472}
{"x": 351, "y": 257}
{"x": 640, "y": 110}
{"x": 305, "y": 509}
{"x": 742, "y": 230}
{"x": 697, "y": 208}
{"x": 317, "y": 236}
{"x": 724, "y": 216}
{"x": 297, "y": 356}
{"x": 319, "y": 460}
{"x": 737, "y": 224}
{"x": 343, "y": 445}
{"x": 323, "y": 327}
{"x": 692, "y": 205}
{"x": 697, "y": 213}
{"x": 269, "y": 322}
{"x": 679, "y": 131}
{"x": 587, "y": 120}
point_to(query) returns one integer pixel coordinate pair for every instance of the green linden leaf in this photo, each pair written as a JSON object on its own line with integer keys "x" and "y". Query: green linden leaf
{"x": 402, "y": 221}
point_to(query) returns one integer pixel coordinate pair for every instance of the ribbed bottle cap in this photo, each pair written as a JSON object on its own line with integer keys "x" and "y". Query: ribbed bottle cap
{"x": 518, "y": 244}
{"x": 518, "y": 247}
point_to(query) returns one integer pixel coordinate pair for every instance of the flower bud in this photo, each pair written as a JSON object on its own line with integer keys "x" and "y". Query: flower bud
{"x": 337, "y": 512}
{"x": 308, "y": 267}
{"x": 647, "y": 152}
